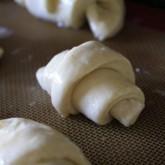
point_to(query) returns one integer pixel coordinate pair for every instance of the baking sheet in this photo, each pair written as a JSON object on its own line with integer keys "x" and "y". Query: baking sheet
{"x": 30, "y": 43}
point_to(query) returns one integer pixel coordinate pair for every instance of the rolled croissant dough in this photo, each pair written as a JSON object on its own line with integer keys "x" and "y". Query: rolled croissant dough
{"x": 105, "y": 17}
{"x": 26, "y": 142}
{"x": 94, "y": 80}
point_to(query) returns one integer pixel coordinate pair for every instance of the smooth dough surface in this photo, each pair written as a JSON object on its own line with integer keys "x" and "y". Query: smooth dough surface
{"x": 26, "y": 142}
{"x": 105, "y": 17}
{"x": 94, "y": 80}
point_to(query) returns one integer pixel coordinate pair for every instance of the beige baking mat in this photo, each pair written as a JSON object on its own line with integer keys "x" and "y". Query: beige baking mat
{"x": 30, "y": 43}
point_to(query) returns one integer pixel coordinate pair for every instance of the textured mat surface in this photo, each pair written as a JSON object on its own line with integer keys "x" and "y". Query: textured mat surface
{"x": 30, "y": 43}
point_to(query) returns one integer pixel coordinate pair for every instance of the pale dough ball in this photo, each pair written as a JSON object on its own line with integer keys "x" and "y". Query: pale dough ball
{"x": 26, "y": 142}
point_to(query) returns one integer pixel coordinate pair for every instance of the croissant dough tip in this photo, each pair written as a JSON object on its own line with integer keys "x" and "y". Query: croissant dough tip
{"x": 106, "y": 24}
{"x": 39, "y": 76}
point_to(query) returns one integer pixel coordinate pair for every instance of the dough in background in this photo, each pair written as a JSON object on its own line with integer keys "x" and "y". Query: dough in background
{"x": 105, "y": 17}
{"x": 26, "y": 142}
{"x": 94, "y": 80}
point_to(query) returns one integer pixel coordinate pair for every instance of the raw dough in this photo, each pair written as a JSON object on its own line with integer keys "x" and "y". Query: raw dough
{"x": 94, "y": 80}
{"x": 26, "y": 142}
{"x": 1, "y": 52}
{"x": 105, "y": 17}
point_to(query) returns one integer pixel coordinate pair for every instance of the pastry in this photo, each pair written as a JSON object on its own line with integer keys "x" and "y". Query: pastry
{"x": 94, "y": 80}
{"x": 26, "y": 142}
{"x": 105, "y": 17}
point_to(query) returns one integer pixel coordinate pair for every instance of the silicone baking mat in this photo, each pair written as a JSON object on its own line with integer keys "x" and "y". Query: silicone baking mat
{"x": 30, "y": 43}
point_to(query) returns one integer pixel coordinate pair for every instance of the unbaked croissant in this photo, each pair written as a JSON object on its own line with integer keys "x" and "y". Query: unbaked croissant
{"x": 105, "y": 17}
{"x": 26, "y": 142}
{"x": 94, "y": 80}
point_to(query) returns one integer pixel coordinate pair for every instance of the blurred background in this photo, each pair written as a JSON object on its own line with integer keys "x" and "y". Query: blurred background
{"x": 155, "y": 3}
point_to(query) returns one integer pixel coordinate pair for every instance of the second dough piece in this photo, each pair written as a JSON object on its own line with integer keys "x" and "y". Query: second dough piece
{"x": 26, "y": 142}
{"x": 105, "y": 17}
